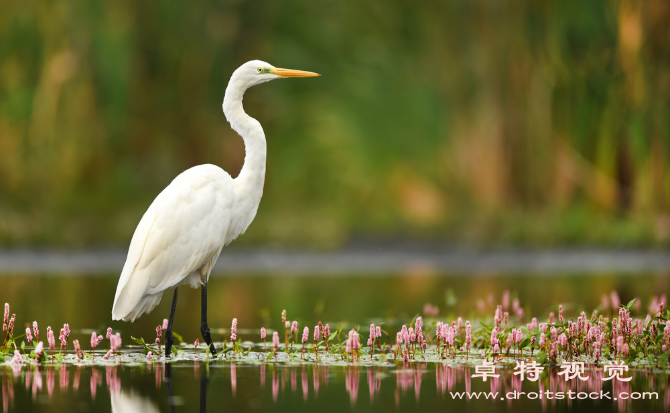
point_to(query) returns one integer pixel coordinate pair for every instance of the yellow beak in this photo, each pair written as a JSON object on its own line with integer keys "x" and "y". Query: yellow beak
{"x": 292, "y": 73}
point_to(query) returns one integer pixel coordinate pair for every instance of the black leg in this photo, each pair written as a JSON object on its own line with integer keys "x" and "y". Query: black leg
{"x": 204, "y": 383}
{"x": 203, "y": 324}
{"x": 168, "y": 378}
{"x": 169, "y": 338}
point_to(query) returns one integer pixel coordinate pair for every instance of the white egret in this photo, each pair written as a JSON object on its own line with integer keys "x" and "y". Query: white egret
{"x": 180, "y": 237}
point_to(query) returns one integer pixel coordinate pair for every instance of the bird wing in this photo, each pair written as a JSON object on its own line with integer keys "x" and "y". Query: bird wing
{"x": 183, "y": 229}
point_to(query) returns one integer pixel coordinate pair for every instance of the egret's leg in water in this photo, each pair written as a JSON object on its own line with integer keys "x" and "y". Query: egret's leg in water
{"x": 203, "y": 324}
{"x": 169, "y": 338}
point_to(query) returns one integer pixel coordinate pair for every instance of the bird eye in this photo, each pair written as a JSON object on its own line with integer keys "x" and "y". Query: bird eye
{"x": 260, "y": 70}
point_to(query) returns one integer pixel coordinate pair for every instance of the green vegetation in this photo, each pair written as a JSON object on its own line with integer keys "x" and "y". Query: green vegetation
{"x": 478, "y": 122}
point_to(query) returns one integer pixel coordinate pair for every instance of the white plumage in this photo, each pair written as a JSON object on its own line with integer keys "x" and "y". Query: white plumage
{"x": 180, "y": 237}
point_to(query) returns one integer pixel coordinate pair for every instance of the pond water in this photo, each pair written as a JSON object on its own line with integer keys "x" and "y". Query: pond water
{"x": 129, "y": 383}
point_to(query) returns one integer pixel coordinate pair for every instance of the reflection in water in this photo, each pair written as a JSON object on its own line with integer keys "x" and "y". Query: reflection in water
{"x": 409, "y": 379}
{"x": 96, "y": 380}
{"x": 131, "y": 402}
{"x": 233, "y": 378}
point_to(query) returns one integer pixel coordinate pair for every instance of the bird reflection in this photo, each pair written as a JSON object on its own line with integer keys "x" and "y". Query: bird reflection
{"x": 204, "y": 386}
{"x": 131, "y": 402}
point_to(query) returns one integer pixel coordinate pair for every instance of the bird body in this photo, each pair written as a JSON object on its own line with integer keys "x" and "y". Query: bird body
{"x": 180, "y": 237}
{"x": 177, "y": 240}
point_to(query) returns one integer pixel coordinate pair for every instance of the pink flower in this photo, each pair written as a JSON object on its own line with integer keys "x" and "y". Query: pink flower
{"x": 17, "y": 359}
{"x": 614, "y": 299}
{"x": 159, "y": 331}
{"x": 496, "y": 348}
{"x": 369, "y": 342}
{"x": 494, "y": 336}
{"x": 39, "y": 349}
{"x": 11, "y": 324}
{"x": 294, "y": 327}
{"x": 109, "y": 333}
{"x": 372, "y": 331}
{"x": 77, "y": 349}
{"x": 497, "y": 317}
{"x": 36, "y": 331}
{"x": 305, "y": 335}
{"x": 165, "y": 324}
{"x": 326, "y": 330}
{"x": 233, "y": 330}
{"x": 283, "y": 317}
{"x": 287, "y": 325}
{"x": 263, "y": 333}
{"x": 197, "y": 343}
{"x": 109, "y": 353}
{"x": 316, "y": 333}
{"x": 50, "y": 338}
{"x": 6, "y": 317}
{"x": 505, "y": 299}
{"x": 29, "y": 336}
{"x": 149, "y": 354}
{"x": 116, "y": 342}
{"x": 94, "y": 340}
{"x": 275, "y": 339}
{"x": 379, "y": 332}
{"x": 419, "y": 323}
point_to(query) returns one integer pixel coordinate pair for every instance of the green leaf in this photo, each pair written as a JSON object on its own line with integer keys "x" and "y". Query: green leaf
{"x": 178, "y": 337}
{"x": 139, "y": 341}
{"x": 332, "y": 336}
{"x": 630, "y": 304}
{"x": 23, "y": 345}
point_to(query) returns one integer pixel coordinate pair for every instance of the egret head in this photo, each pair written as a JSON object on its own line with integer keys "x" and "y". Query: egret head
{"x": 256, "y": 72}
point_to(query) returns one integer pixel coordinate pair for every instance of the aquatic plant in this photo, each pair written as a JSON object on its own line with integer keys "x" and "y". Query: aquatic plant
{"x": 608, "y": 334}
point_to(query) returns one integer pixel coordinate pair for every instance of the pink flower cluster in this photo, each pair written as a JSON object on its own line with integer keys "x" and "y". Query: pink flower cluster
{"x": 36, "y": 331}
{"x": 115, "y": 342}
{"x": 95, "y": 339}
{"x": 77, "y": 349}
{"x": 353, "y": 344}
{"x": 430, "y": 310}
{"x": 233, "y": 330}
{"x": 50, "y": 338}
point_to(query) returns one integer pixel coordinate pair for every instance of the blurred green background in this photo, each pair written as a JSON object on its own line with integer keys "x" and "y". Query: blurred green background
{"x": 472, "y": 122}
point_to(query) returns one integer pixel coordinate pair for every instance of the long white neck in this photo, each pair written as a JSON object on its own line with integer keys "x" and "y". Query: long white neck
{"x": 248, "y": 185}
